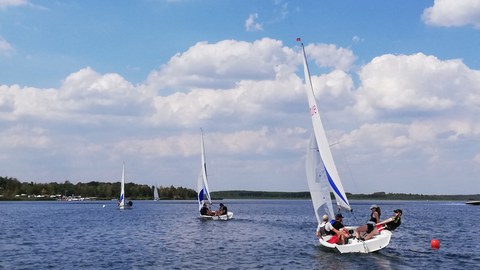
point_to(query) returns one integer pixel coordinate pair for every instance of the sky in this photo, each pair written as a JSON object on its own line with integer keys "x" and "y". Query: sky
{"x": 88, "y": 85}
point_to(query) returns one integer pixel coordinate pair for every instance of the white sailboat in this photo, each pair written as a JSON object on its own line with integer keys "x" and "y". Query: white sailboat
{"x": 203, "y": 192}
{"x": 323, "y": 178}
{"x": 156, "y": 197}
{"x": 473, "y": 202}
{"x": 121, "y": 203}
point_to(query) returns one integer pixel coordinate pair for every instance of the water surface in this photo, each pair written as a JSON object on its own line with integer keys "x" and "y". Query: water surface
{"x": 265, "y": 234}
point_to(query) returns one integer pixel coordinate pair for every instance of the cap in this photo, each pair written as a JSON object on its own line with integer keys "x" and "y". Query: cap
{"x": 373, "y": 206}
{"x": 221, "y": 204}
{"x": 325, "y": 217}
{"x": 398, "y": 211}
{"x": 338, "y": 216}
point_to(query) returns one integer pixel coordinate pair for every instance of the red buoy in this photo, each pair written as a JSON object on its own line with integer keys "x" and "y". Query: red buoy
{"x": 435, "y": 243}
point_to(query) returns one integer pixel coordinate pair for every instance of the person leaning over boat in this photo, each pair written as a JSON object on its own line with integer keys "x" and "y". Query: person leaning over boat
{"x": 370, "y": 227}
{"x": 321, "y": 227}
{"x": 336, "y": 228}
{"x": 205, "y": 211}
{"x": 391, "y": 223}
{"x": 222, "y": 210}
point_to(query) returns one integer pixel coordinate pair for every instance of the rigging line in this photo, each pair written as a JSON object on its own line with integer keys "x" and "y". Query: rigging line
{"x": 347, "y": 165}
{"x": 327, "y": 123}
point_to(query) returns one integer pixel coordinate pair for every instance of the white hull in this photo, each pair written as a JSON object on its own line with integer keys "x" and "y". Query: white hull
{"x": 473, "y": 202}
{"x": 228, "y": 216}
{"x": 376, "y": 243}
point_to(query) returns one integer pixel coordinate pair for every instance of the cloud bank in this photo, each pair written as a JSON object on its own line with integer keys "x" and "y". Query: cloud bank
{"x": 403, "y": 120}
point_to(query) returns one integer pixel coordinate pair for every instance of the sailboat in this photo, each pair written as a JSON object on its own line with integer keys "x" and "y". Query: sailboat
{"x": 121, "y": 203}
{"x": 473, "y": 202}
{"x": 156, "y": 197}
{"x": 203, "y": 192}
{"x": 323, "y": 178}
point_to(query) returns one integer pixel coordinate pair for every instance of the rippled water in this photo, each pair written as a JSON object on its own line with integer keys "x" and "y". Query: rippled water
{"x": 268, "y": 234}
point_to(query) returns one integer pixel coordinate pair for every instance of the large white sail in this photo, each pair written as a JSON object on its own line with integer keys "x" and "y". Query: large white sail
{"x": 324, "y": 148}
{"x": 317, "y": 182}
{"x": 155, "y": 194}
{"x": 121, "y": 203}
{"x": 203, "y": 192}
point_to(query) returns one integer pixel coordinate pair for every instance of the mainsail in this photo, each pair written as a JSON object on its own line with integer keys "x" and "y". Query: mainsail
{"x": 155, "y": 193}
{"x": 202, "y": 183}
{"x": 121, "y": 203}
{"x": 323, "y": 146}
{"x": 317, "y": 182}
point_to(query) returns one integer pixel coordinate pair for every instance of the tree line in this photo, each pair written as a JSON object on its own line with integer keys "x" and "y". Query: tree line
{"x": 243, "y": 194}
{"x": 12, "y": 188}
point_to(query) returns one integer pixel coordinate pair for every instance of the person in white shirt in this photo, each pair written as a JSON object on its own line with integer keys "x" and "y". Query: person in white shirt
{"x": 321, "y": 227}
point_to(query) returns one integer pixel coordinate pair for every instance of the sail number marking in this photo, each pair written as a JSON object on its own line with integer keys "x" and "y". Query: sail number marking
{"x": 313, "y": 110}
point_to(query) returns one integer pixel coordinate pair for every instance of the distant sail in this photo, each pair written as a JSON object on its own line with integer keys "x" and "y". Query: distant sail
{"x": 155, "y": 194}
{"x": 121, "y": 203}
{"x": 202, "y": 183}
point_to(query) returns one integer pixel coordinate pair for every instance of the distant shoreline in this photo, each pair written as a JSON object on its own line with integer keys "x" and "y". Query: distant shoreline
{"x": 272, "y": 195}
{"x": 11, "y": 189}
{"x": 243, "y": 194}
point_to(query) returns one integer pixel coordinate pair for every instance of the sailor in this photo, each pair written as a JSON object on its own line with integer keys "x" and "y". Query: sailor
{"x": 391, "y": 223}
{"x": 205, "y": 211}
{"x": 337, "y": 229}
{"x": 369, "y": 228}
{"x": 222, "y": 210}
{"x": 321, "y": 227}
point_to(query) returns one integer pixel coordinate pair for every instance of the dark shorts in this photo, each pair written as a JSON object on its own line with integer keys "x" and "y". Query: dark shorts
{"x": 369, "y": 227}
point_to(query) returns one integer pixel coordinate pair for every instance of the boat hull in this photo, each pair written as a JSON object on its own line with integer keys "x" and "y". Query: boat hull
{"x": 473, "y": 202}
{"x": 376, "y": 243}
{"x": 228, "y": 216}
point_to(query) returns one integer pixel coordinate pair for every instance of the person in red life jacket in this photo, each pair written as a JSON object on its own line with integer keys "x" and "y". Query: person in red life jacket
{"x": 337, "y": 229}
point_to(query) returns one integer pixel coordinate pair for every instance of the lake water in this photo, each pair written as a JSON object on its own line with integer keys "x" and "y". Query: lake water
{"x": 264, "y": 234}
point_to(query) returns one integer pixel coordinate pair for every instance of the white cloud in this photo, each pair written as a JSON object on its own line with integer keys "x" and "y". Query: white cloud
{"x": 453, "y": 13}
{"x": 281, "y": 8}
{"x": 223, "y": 64}
{"x": 5, "y": 48}
{"x": 109, "y": 94}
{"x": 12, "y": 3}
{"x": 17, "y": 102}
{"x": 251, "y": 25}
{"x": 18, "y": 137}
{"x": 415, "y": 84}
{"x": 329, "y": 55}
{"x": 357, "y": 39}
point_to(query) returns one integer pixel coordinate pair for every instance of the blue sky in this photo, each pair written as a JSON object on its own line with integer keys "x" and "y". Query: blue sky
{"x": 86, "y": 85}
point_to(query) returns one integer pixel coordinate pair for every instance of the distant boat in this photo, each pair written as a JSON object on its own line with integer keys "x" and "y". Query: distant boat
{"x": 203, "y": 192}
{"x": 473, "y": 202}
{"x": 322, "y": 177}
{"x": 155, "y": 193}
{"x": 121, "y": 203}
